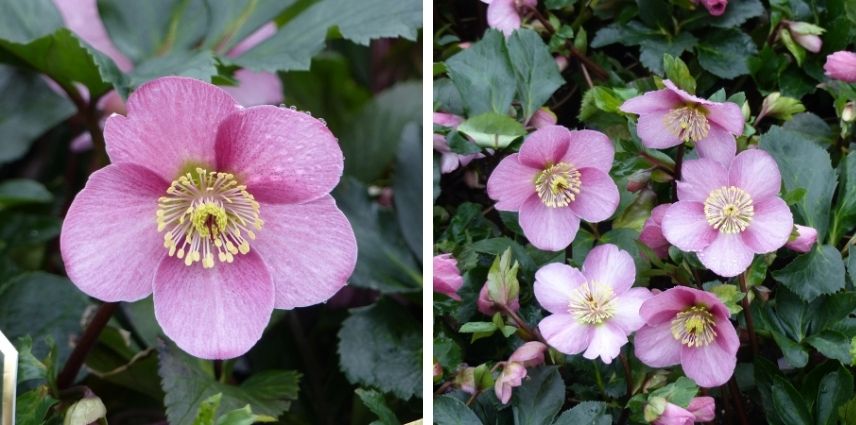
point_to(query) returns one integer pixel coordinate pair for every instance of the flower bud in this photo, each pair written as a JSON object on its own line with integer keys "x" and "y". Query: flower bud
{"x": 778, "y": 106}
{"x": 447, "y": 277}
{"x": 745, "y": 110}
{"x": 804, "y": 239}
{"x": 530, "y": 354}
{"x": 465, "y": 380}
{"x": 85, "y": 411}
{"x": 512, "y": 376}
{"x": 806, "y": 35}
{"x": 562, "y": 63}
{"x": 841, "y": 65}
{"x": 638, "y": 180}
{"x": 437, "y": 372}
{"x": 502, "y": 288}
{"x": 848, "y": 114}
{"x": 487, "y": 307}
{"x": 543, "y": 117}
{"x": 703, "y": 408}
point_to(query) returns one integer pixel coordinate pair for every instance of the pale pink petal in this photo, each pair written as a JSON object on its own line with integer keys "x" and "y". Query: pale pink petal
{"x": 709, "y": 366}
{"x": 771, "y": 226}
{"x": 652, "y": 232}
{"x": 447, "y": 120}
{"x": 661, "y": 101}
{"x": 656, "y": 347}
{"x": 726, "y": 115}
{"x": 841, "y": 65}
{"x": 555, "y": 285}
{"x": 590, "y": 149}
{"x": 727, "y": 255}
{"x": 664, "y": 306}
{"x": 565, "y": 334}
{"x": 598, "y": 197}
{"x": 217, "y": 313}
{"x": 503, "y": 15}
{"x": 543, "y": 117}
{"x": 699, "y": 177}
{"x": 686, "y": 227}
{"x": 171, "y": 122}
{"x": 811, "y": 42}
{"x": 256, "y": 88}
{"x": 606, "y": 342}
{"x": 283, "y": 156}
{"x": 608, "y": 265}
{"x": 110, "y": 242}
{"x": 719, "y": 145}
{"x": 550, "y": 229}
{"x": 675, "y": 415}
{"x": 805, "y": 240}
{"x": 82, "y": 18}
{"x": 449, "y": 162}
{"x": 81, "y": 143}
{"x": 512, "y": 376}
{"x": 726, "y": 334}
{"x": 530, "y": 354}
{"x": 447, "y": 277}
{"x": 511, "y": 183}
{"x": 545, "y": 146}
{"x": 263, "y": 33}
{"x": 703, "y": 408}
{"x": 309, "y": 249}
{"x": 651, "y": 128}
{"x": 627, "y": 306}
{"x": 686, "y": 97}
{"x": 756, "y": 172}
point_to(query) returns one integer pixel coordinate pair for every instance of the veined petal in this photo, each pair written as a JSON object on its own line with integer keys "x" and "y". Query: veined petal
{"x": 256, "y": 88}
{"x": 550, "y": 229}
{"x": 608, "y": 265}
{"x": 663, "y": 307}
{"x": 728, "y": 116}
{"x": 656, "y": 347}
{"x": 709, "y": 366}
{"x": 606, "y": 342}
{"x": 627, "y": 306}
{"x": 511, "y": 183}
{"x": 545, "y": 146}
{"x": 727, "y": 255}
{"x": 565, "y": 334}
{"x": 651, "y": 128}
{"x": 653, "y": 101}
{"x": 589, "y": 149}
{"x": 719, "y": 146}
{"x": 756, "y": 172}
{"x": 598, "y": 197}
{"x": 771, "y": 226}
{"x": 686, "y": 227}
{"x": 555, "y": 285}
{"x": 699, "y": 177}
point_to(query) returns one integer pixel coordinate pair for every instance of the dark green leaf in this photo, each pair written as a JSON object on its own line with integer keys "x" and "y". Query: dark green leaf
{"x": 199, "y": 65}
{"x": 835, "y": 389}
{"x": 408, "y": 187}
{"x": 534, "y": 68}
{"x": 23, "y": 21}
{"x": 492, "y": 130}
{"x": 832, "y": 344}
{"x": 585, "y": 413}
{"x": 540, "y": 397}
{"x": 725, "y": 53}
{"x": 737, "y": 12}
{"x": 483, "y": 75}
{"x": 789, "y": 403}
{"x": 451, "y": 411}
{"x": 677, "y": 71}
{"x": 376, "y": 403}
{"x": 653, "y": 48}
{"x": 816, "y": 273}
{"x": 33, "y": 406}
{"x": 794, "y": 353}
{"x": 23, "y": 191}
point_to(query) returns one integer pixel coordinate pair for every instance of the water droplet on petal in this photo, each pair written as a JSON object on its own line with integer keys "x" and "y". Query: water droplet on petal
{"x": 292, "y": 107}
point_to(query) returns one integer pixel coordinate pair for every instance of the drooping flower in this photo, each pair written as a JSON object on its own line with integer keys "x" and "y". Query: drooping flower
{"x": 714, "y": 7}
{"x": 652, "y": 233}
{"x": 543, "y": 117}
{"x": 728, "y": 213}
{"x": 557, "y": 178}
{"x": 689, "y": 327}
{"x": 593, "y": 310}
{"x": 222, "y": 212}
{"x": 841, "y": 65}
{"x": 805, "y": 239}
{"x": 700, "y": 409}
{"x": 488, "y": 307}
{"x": 450, "y": 161}
{"x": 703, "y": 408}
{"x": 530, "y": 354}
{"x": 506, "y": 15}
{"x": 671, "y": 116}
{"x": 447, "y": 277}
{"x": 465, "y": 380}
{"x": 806, "y": 35}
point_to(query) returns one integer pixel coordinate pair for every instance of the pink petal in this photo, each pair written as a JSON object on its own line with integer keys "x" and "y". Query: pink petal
{"x": 686, "y": 227}
{"x": 709, "y": 366}
{"x": 547, "y": 145}
{"x": 263, "y": 33}
{"x": 608, "y": 265}
{"x": 654, "y": 101}
{"x": 720, "y": 312}
{"x": 590, "y": 149}
{"x": 511, "y": 183}
{"x": 715, "y": 7}
{"x": 606, "y": 342}
{"x": 806, "y": 238}
{"x": 756, "y": 172}
{"x": 686, "y": 97}
{"x": 699, "y": 177}
{"x": 171, "y": 122}
{"x": 81, "y": 17}
{"x": 703, "y": 408}
{"x": 550, "y": 229}
{"x": 256, "y": 88}
{"x": 503, "y": 15}
{"x": 309, "y": 249}
{"x": 719, "y": 145}
{"x": 656, "y": 347}
{"x": 675, "y": 415}
{"x": 555, "y": 285}
{"x": 627, "y": 306}
{"x": 651, "y": 128}
{"x": 664, "y": 306}
{"x": 447, "y": 120}
{"x": 726, "y": 115}
{"x": 217, "y": 313}
{"x": 841, "y": 65}
{"x": 727, "y": 255}
{"x": 726, "y": 334}
{"x": 652, "y": 232}
{"x": 598, "y": 197}
{"x": 771, "y": 226}
{"x": 565, "y": 334}
{"x": 529, "y": 354}
{"x": 447, "y": 277}
{"x": 283, "y": 156}
{"x": 109, "y": 241}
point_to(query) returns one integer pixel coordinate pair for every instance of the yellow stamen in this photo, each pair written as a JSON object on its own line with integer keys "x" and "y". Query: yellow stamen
{"x": 558, "y": 185}
{"x": 729, "y": 209}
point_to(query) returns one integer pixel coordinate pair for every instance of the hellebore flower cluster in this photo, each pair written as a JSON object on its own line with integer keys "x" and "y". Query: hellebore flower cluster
{"x": 222, "y": 212}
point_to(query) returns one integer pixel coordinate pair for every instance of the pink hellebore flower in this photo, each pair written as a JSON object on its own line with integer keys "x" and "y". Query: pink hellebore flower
{"x": 704, "y": 408}
{"x": 652, "y": 233}
{"x": 700, "y": 409}
{"x": 715, "y": 7}
{"x": 841, "y": 65}
{"x": 671, "y": 116}
{"x": 486, "y": 305}
{"x": 225, "y": 212}
{"x": 727, "y": 213}
{"x": 450, "y": 161}
{"x": 557, "y": 178}
{"x": 505, "y": 15}
{"x": 530, "y": 354}
{"x": 805, "y": 240}
{"x": 688, "y": 326}
{"x": 543, "y": 117}
{"x": 593, "y": 310}
{"x": 447, "y": 277}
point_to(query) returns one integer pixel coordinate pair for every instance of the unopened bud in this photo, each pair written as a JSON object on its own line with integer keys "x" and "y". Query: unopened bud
{"x": 85, "y": 411}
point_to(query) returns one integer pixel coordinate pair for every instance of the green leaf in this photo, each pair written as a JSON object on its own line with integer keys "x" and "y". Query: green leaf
{"x": 832, "y": 344}
{"x": 819, "y": 272}
{"x": 243, "y": 416}
{"x": 539, "y": 399}
{"x": 142, "y": 30}
{"x": 796, "y": 50}
{"x": 407, "y": 187}
{"x": 207, "y": 413}
{"x": 586, "y": 413}
{"x": 23, "y": 191}
{"x": 725, "y": 53}
{"x": 794, "y": 353}
{"x": 845, "y": 212}
{"x": 737, "y": 12}
{"x": 680, "y": 392}
{"x": 483, "y": 75}
{"x": 451, "y": 411}
{"x": 678, "y": 73}
{"x": 804, "y": 165}
{"x": 654, "y": 48}
{"x": 33, "y": 406}
{"x": 492, "y": 130}
{"x": 847, "y": 412}
{"x": 381, "y": 346}
{"x": 789, "y": 403}
{"x": 23, "y": 21}
{"x": 375, "y": 402}
{"x": 835, "y": 389}
{"x": 534, "y": 69}
{"x": 477, "y": 327}
{"x": 187, "y": 384}
{"x": 199, "y": 65}
{"x": 447, "y": 352}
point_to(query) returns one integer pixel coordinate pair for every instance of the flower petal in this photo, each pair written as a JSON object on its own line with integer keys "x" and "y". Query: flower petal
{"x": 656, "y": 347}
{"x": 550, "y": 229}
{"x": 771, "y": 226}
{"x": 590, "y": 149}
{"x": 544, "y": 146}
{"x": 719, "y": 146}
{"x": 503, "y": 15}
{"x": 686, "y": 97}
{"x": 606, "y": 343}
{"x": 699, "y": 177}
{"x": 654, "y": 101}
{"x": 627, "y": 306}
{"x": 651, "y": 128}
{"x": 728, "y": 116}
{"x": 664, "y": 306}
{"x": 217, "y": 313}
{"x": 309, "y": 249}
{"x": 171, "y": 122}
{"x": 256, "y": 88}
{"x": 565, "y": 334}
{"x": 598, "y": 197}
{"x": 608, "y": 265}
{"x": 283, "y": 156}
{"x": 109, "y": 241}
{"x": 727, "y": 255}
{"x": 511, "y": 183}
{"x": 756, "y": 172}
{"x": 709, "y": 366}
{"x": 555, "y": 284}
{"x": 686, "y": 227}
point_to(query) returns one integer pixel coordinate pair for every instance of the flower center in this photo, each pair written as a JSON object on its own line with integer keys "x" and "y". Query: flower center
{"x": 688, "y": 122}
{"x": 729, "y": 209}
{"x": 207, "y": 212}
{"x": 592, "y": 304}
{"x": 558, "y": 185}
{"x": 694, "y": 327}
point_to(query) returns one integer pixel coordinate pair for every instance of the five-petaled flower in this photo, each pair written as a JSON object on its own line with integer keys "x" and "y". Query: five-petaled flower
{"x": 593, "y": 310}
{"x": 728, "y": 213}
{"x": 557, "y": 178}
{"x": 223, "y": 212}
{"x": 671, "y": 116}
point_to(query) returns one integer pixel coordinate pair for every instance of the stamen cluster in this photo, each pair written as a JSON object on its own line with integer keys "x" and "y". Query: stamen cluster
{"x": 593, "y": 303}
{"x": 688, "y": 122}
{"x": 558, "y": 185}
{"x": 694, "y": 327}
{"x": 729, "y": 209}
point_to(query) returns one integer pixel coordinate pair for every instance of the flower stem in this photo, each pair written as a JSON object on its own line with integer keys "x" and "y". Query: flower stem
{"x": 628, "y": 375}
{"x": 85, "y": 344}
{"x": 533, "y": 334}
{"x": 679, "y": 159}
{"x": 738, "y": 401}
{"x": 585, "y": 61}
{"x": 747, "y": 314}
